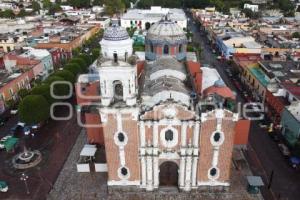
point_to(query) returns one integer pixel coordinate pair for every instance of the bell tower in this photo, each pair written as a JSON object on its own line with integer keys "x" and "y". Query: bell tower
{"x": 118, "y": 82}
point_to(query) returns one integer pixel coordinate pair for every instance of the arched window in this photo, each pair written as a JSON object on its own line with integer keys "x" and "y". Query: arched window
{"x": 169, "y": 135}
{"x": 151, "y": 48}
{"x": 180, "y": 48}
{"x": 118, "y": 90}
{"x": 147, "y": 25}
{"x": 166, "y": 49}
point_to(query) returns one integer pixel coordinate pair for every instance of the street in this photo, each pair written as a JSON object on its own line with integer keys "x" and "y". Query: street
{"x": 263, "y": 154}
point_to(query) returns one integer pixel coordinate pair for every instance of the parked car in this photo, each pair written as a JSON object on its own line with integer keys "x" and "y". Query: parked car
{"x": 284, "y": 150}
{"x": 14, "y": 111}
{"x": 16, "y": 128}
{"x": 27, "y": 130}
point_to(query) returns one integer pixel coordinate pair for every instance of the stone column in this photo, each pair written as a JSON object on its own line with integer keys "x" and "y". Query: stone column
{"x": 194, "y": 171}
{"x": 155, "y": 134}
{"x": 183, "y": 134}
{"x": 143, "y": 163}
{"x": 155, "y": 171}
{"x": 196, "y": 134}
{"x": 188, "y": 173}
{"x": 149, "y": 174}
{"x": 182, "y": 171}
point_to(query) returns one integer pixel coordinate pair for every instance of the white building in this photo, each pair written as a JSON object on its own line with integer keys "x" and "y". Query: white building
{"x": 254, "y": 8}
{"x": 103, "y": 22}
{"x": 143, "y": 19}
{"x": 43, "y": 55}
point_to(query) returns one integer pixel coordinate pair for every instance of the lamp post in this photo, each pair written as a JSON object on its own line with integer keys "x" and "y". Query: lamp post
{"x": 24, "y": 178}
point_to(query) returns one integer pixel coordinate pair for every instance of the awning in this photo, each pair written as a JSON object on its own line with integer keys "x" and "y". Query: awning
{"x": 3, "y": 184}
{"x": 88, "y": 150}
{"x": 9, "y": 143}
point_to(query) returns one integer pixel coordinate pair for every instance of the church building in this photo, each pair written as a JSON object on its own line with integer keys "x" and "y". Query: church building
{"x": 159, "y": 126}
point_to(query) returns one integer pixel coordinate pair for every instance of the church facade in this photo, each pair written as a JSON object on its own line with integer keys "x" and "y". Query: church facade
{"x": 157, "y": 129}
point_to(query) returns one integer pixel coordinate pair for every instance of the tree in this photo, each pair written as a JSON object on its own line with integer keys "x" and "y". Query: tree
{"x": 34, "y": 109}
{"x": 46, "y": 4}
{"x": 114, "y": 7}
{"x": 7, "y": 14}
{"x": 44, "y": 90}
{"x": 54, "y": 8}
{"x": 98, "y": 2}
{"x": 80, "y": 3}
{"x": 22, "y": 13}
{"x": 95, "y": 53}
{"x": 83, "y": 65}
{"x": 74, "y": 68}
{"x": 66, "y": 75}
{"x": 86, "y": 58}
{"x": 250, "y": 14}
{"x": 60, "y": 89}
{"x": 296, "y": 35}
{"x": 23, "y": 93}
{"x": 76, "y": 52}
{"x": 36, "y": 6}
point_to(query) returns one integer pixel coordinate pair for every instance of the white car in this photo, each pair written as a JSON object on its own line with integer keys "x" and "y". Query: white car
{"x": 13, "y": 112}
{"x": 284, "y": 150}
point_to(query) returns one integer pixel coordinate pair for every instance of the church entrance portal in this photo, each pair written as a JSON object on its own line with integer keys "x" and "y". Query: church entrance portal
{"x": 168, "y": 174}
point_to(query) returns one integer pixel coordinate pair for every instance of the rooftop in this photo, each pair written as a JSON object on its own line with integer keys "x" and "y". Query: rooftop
{"x": 154, "y": 14}
{"x": 5, "y": 77}
{"x": 286, "y": 73}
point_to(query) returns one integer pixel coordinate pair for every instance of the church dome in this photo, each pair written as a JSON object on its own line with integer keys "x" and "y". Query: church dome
{"x": 115, "y": 33}
{"x": 116, "y": 42}
{"x": 166, "y": 31}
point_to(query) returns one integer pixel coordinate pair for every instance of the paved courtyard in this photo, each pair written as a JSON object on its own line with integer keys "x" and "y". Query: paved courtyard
{"x": 71, "y": 185}
{"x": 55, "y": 141}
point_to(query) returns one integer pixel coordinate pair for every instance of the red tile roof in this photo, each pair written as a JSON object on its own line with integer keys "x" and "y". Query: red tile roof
{"x": 196, "y": 73}
{"x": 222, "y": 91}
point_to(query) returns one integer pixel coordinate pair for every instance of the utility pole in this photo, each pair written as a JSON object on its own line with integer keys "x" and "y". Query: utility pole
{"x": 271, "y": 179}
{"x": 24, "y": 178}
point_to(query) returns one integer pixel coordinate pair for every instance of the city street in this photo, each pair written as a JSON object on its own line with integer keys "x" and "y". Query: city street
{"x": 263, "y": 154}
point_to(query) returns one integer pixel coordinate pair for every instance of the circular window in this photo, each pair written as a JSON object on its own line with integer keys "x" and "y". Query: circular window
{"x": 123, "y": 172}
{"x": 213, "y": 173}
{"x": 217, "y": 138}
{"x": 120, "y": 138}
